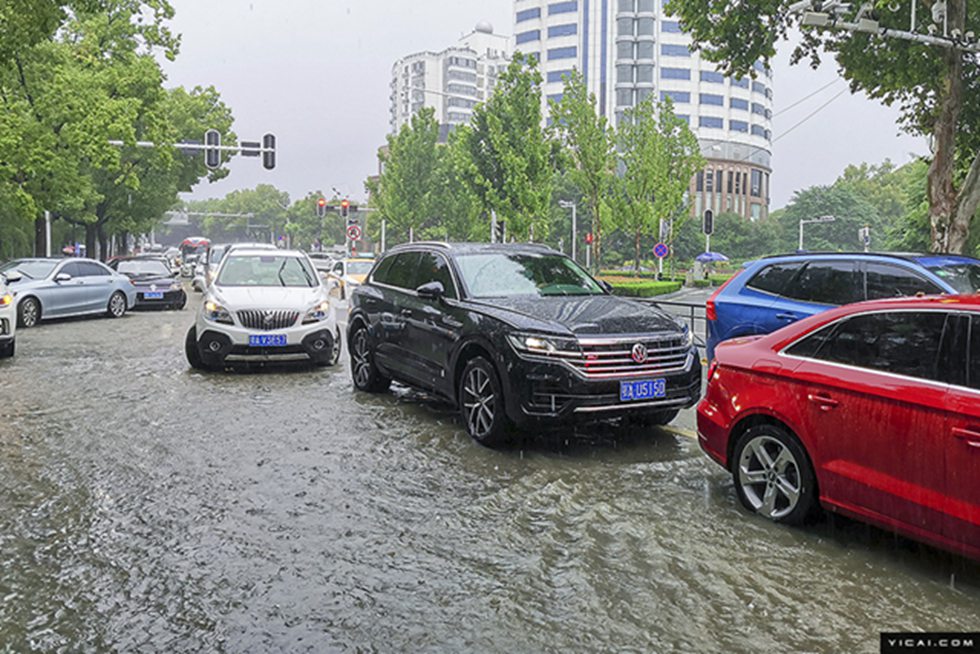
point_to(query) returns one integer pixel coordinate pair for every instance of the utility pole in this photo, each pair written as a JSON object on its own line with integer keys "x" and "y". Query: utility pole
{"x": 821, "y": 219}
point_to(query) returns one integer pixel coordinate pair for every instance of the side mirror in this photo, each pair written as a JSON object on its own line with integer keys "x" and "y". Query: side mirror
{"x": 606, "y": 286}
{"x": 62, "y": 277}
{"x": 13, "y": 276}
{"x": 431, "y": 291}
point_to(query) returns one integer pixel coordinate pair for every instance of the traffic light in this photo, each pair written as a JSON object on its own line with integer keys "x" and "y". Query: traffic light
{"x": 501, "y": 232}
{"x": 212, "y": 154}
{"x": 344, "y": 208}
{"x": 269, "y": 151}
{"x": 709, "y": 222}
{"x": 589, "y": 238}
{"x": 321, "y": 208}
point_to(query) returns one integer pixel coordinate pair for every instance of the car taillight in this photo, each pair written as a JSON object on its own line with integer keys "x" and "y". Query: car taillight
{"x": 712, "y": 368}
{"x": 711, "y": 311}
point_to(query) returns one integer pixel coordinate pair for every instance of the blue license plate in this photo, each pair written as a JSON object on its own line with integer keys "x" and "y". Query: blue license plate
{"x": 153, "y": 295}
{"x": 267, "y": 340}
{"x": 647, "y": 389}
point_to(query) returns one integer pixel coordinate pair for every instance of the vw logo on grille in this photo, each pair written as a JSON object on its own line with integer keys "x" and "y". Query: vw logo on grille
{"x": 153, "y": 287}
{"x": 640, "y": 353}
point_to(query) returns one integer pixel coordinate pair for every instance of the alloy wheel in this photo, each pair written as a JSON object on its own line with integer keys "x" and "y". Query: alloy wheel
{"x": 769, "y": 476}
{"x": 479, "y": 402}
{"x": 361, "y": 359}
{"x": 29, "y": 313}
{"x": 117, "y": 305}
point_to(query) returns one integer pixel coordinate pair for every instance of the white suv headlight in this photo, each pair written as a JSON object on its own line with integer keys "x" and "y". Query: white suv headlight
{"x": 319, "y": 313}
{"x": 217, "y": 313}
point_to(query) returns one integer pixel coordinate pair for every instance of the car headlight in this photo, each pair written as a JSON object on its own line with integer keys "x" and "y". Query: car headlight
{"x": 217, "y": 313}
{"x": 543, "y": 345}
{"x": 319, "y": 313}
{"x": 688, "y": 338}
{"x": 6, "y": 300}
{"x": 175, "y": 286}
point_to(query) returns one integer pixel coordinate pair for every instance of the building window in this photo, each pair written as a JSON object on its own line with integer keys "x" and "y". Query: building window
{"x": 712, "y": 76}
{"x": 644, "y": 50}
{"x": 711, "y": 122}
{"x": 756, "y": 211}
{"x": 671, "y": 26}
{"x": 708, "y": 98}
{"x": 626, "y": 6}
{"x": 730, "y": 175}
{"x": 556, "y": 97}
{"x": 759, "y": 130}
{"x": 709, "y": 182}
{"x": 742, "y": 83}
{"x": 643, "y": 94}
{"x": 738, "y": 126}
{"x": 759, "y": 87}
{"x": 624, "y": 27}
{"x": 684, "y": 117}
{"x": 758, "y": 109}
{"x": 562, "y": 53}
{"x": 558, "y": 76}
{"x": 624, "y": 50}
{"x": 739, "y": 103}
{"x": 527, "y": 37}
{"x": 756, "y": 188}
{"x": 562, "y": 7}
{"x": 624, "y": 74}
{"x": 563, "y": 30}
{"x": 647, "y": 6}
{"x": 699, "y": 185}
{"x": 675, "y": 73}
{"x": 673, "y": 50}
{"x": 676, "y": 96}
{"x": 759, "y": 66}
{"x": 624, "y": 98}
{"x": 645, "y": 27}
{"x": 644, "y": 74}
{"x": 528, "y": 14}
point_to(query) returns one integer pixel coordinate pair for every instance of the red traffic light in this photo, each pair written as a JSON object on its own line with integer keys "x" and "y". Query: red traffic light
{"x": 322, "y": 202}
{"x": 345, "y": 204}
{"x": 589, "y": 238}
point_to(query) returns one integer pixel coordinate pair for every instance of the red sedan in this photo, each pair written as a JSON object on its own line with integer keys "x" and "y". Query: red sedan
{"x": 871, "y": 410}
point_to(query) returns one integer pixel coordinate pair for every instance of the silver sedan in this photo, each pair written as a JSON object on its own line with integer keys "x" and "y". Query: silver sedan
{"x": 60, "y": 288}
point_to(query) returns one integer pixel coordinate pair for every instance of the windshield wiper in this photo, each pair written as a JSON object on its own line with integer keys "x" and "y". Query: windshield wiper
{"x": 281, "y": 268}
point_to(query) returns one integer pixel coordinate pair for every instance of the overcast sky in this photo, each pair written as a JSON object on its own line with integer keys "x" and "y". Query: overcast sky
{"x": 316, "y": 73}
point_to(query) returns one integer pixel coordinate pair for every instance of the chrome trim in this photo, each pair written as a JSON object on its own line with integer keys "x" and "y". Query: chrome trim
{"x": 657, "y": 336}
{"x": 640, "y": 405}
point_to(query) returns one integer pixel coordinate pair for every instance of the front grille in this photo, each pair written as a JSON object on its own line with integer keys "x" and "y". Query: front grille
{"x": 268, "y": 320}
{"x": 607, "y": 359}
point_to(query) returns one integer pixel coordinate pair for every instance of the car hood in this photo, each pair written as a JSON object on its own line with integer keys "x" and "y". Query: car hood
{"x": 267, "y": 297}
{"x": 150, "y": 280}
{"x": 594, "y": 315}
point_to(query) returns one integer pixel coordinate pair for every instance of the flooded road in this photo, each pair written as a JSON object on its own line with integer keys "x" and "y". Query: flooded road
{"x": 147, "y": 507}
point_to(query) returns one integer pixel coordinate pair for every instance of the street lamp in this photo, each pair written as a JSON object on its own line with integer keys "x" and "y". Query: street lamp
{"x": 568, "y": 204}
{"x": 821, "y": 219}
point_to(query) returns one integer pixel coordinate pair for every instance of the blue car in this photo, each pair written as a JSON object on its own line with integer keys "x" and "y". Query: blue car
{"x": 59, "y": 288}
{"x": 773, "y": 292}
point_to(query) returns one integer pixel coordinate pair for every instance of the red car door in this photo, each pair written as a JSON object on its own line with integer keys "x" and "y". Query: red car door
{"x": 869, "y": 400}
{"x": 963, "y": 455}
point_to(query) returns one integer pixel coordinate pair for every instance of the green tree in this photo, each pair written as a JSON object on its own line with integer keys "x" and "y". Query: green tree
{"x": 936, "y": 88}
{"x": 850, "y": 210}
{"x": 506, "y": 158}
{"x": 589, "y": 142}
{"x": 658, "y": 155}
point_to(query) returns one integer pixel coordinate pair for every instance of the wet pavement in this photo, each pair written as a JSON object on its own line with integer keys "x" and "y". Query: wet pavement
{"x": 147, "y": 507}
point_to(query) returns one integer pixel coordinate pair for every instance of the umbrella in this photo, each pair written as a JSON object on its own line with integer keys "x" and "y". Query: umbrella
{"x": 711, "y": 257}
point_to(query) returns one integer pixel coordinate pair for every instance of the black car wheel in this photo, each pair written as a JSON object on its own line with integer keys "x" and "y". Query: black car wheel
{"x": 337, "y": 346}
{"x": 192, "y": 351}
{"x": 364, "y": 372}
{"x": 481, "y": 402}
{"x": 117, "y": 305}
{"x": 28, "y": 313}
{"x": 773, "y": 476}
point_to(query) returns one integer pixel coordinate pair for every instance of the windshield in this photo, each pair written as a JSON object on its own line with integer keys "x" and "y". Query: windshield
{"x": 143, "y": 267}
{"x": 269, "y": 270}
{"x": 30, "y": 269}
{"x": 359, "y": 267}
{"x": 964, "y": 278}
{"x": 505, "y": 275}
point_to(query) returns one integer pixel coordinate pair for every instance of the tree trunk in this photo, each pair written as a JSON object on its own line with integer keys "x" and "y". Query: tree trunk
{"x": 968, "y": 202}
{"x": 40, "y": 238}
{"x": 103, "y": 243}
{"x": 636, "y": 252}
{"x": 596, "y": 232}
{"x": 943, "y": 217}
{"x": 90, "y": 240}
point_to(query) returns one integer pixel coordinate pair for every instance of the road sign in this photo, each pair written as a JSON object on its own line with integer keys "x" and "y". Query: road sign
{"x": 661, "y": 250}
{"x": 354, "y": 233}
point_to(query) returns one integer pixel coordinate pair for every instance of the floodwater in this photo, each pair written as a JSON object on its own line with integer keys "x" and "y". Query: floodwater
{"x": 147, "y": 507}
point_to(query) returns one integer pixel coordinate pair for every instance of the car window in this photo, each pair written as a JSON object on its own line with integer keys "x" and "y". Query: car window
{"x": 267, "y": 270}
{"x": 513, "y": 274}
{"x": 953, "y": 360}
{"x": 963, "y": 278}
{"x": 826, "y": 282}
{"x": 435, "y": 268}
{"x": 339, "y": 268}
{"x": 885, "y": 281}
{"x": 775, "y": 278}
{"x": 383, "y": 270}
{"x": 71, "y": 268}
{"x": 904, "y": 343}
{"x": 402, "y": 272}
{"x": 89, "y": 269}
{"x": 809, "y": 346}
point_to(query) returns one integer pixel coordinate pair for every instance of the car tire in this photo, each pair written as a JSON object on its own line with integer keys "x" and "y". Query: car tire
{"x": 7, "y": 350}
{"x": 117, "y": 305}
{"x": 481, "y": 403}
{"x": 773, "y": 475}
{"x": 180, "y": 304}
{"x": 28, "y": 313}
{"x": 337, "y": 348}
{"x": 193, "y": 352}
{"x": 363, "y": 370}
{"x": 653, "y": 419}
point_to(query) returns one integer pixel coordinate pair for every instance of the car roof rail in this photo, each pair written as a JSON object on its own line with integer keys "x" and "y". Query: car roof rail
{"x": 904, "y": 256}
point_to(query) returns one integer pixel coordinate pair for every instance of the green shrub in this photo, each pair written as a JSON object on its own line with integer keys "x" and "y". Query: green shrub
{"x": 718, "y": 279}
{"x": 702, "y": 283}
{"x": 634, "y": 287}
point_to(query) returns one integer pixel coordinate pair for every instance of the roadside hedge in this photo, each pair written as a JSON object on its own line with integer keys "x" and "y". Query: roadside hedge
{"x": 633, "y": 287}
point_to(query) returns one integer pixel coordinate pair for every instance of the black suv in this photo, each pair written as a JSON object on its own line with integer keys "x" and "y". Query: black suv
{"x": 514, "y": 334}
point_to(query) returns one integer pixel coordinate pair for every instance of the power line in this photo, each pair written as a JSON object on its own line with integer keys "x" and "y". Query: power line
{"x": 815, "y": 112}
{"x": 804, "y": 99}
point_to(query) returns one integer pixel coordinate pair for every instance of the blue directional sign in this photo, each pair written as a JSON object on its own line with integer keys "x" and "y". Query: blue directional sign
{"x": 660, "y": 250}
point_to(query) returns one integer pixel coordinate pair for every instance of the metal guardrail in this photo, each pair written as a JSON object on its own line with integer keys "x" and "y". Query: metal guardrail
{"x": 695, "y": 314}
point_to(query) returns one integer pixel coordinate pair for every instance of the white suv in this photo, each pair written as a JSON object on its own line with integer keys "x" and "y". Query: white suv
{"x": 264, "y": 306}
{"x": 8, "y": 319}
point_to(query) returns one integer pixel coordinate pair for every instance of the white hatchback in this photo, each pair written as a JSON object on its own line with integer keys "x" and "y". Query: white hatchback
{"x": 264, "y": 307}
{"x": 8, "y": 319}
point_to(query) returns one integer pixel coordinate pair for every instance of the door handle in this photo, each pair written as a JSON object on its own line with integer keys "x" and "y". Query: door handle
{"x": 787, "y": 316}
{"x": 825, "y": 403}
{"x": 971, "y": 436}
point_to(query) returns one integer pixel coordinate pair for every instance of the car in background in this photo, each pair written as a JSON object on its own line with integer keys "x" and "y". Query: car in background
{"x": 264, "y": 307}
{"x": 349, "y": 273}
{"x": 62, "y": 288}
{"x": 517, "y": 335}
{"x": 776, "y": 291}
{"x": 187, "y": 265}
{"x": 8, "y": 318}
{"x": 156, "y": 284}
{"x": 871, "y": 410}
